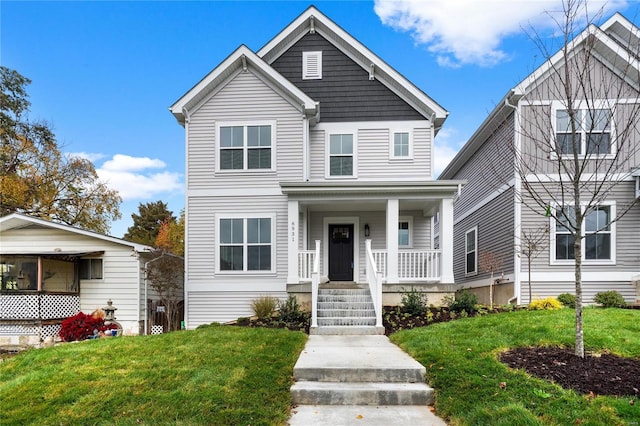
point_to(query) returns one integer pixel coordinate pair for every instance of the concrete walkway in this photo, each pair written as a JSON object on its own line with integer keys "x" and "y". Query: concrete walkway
{"x": 359, "y": 380}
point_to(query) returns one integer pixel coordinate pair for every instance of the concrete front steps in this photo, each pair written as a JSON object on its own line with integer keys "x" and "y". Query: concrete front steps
{"x": 358, "y": 370}
{"x": 346, "y": 309}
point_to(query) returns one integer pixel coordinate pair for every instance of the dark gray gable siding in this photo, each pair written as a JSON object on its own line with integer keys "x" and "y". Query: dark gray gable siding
{"x": 345, "y": 92}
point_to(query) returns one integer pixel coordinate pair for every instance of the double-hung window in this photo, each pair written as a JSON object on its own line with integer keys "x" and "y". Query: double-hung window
{"x": 592, "y": 132}
{"x": 341, "y": 154}
{"x": 90, "y": 269}
{"x": 400, "y": 146}
{"x": 471, "y": 251}
{"x": 245, "y": 244}
{"x": 598, "y": 231}
{"x": 246, "y": 147}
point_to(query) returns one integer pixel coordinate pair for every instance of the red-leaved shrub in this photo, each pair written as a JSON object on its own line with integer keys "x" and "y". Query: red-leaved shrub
{"x": 81, "y": 326}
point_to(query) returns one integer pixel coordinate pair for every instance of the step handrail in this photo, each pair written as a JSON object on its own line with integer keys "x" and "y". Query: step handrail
{"x": 315, "y": 284}
{"x": 374, "y": 279}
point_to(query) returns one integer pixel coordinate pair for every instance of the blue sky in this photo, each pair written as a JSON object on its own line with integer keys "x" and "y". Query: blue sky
{"x": 104, "y": 73}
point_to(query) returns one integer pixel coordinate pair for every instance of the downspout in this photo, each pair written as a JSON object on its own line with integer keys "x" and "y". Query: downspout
{"x": 187, "y": 120}
{"x": 517, "y": 206}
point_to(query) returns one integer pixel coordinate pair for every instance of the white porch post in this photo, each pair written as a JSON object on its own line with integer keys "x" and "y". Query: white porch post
{"x": 392, "y": 240}
{"x": 292, "y": 242}
{"x": 446, "y": 241}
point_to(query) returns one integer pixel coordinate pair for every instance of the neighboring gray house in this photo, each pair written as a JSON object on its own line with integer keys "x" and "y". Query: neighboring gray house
{"x": 310, "y": 158}
{"x": 50, "y": 271}
{"x": 491, "y": 216}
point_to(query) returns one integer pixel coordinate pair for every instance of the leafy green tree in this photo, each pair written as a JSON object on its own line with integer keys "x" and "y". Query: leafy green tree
{"x": 148, "y": 221}
{"x": 36, "y": 178}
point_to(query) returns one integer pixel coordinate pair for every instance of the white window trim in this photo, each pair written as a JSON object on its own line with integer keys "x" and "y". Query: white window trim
{"x": 305, "y": 69}
{"x": 327, "y": 148}
{"x": 101, "y": 265}
{"x": 552, "y": 241}
{"x": 244, "y": 271}
{"x": 245, "y": 125}
{"x": 475, "y": 266}
{"x": 596, "y": 104}
{"x": 392, "y": 155}
{"x": 409, "y": 220}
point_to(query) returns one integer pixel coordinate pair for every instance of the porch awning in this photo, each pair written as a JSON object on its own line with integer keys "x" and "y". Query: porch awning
{"x": 62, "y": 255}
{"x": 436, "y": 188}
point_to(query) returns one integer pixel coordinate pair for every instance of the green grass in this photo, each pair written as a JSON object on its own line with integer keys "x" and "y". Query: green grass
{"x": 214, "y": 375}
{"x": 462, "y": 366}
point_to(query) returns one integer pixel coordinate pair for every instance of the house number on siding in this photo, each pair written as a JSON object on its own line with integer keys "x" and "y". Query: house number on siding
{"x": 293, "y": 231}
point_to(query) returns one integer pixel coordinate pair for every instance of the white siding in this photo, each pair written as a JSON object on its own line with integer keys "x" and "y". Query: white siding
{"x": 121, "y": 273}
{"x": 206, "y": 307}
{"x": 245, "y": 98}
{"x": 373, "y": 147}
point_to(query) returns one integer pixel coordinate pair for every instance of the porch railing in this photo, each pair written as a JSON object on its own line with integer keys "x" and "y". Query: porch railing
{"x": 413, "y": 265}
{"x": 306, "y": 259}
{"x": 374, "y": 279}
{"x": 315, "y": 284}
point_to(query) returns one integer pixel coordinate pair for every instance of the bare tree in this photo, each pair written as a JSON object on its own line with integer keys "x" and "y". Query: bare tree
{"x": 532, "y": 243}
{"x": 579, "y": 137}
{"x": 490, "y": 262}
{"x": 165, "y": 275}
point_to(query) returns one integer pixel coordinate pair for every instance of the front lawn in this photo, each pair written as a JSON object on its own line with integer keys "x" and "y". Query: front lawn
{"x": 211, "y": 376}
{"x": 474, "y": 388}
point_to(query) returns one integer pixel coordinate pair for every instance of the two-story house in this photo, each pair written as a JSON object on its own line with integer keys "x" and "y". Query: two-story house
{"x": 528, "y": 142}
{"x": 310, "y": 161}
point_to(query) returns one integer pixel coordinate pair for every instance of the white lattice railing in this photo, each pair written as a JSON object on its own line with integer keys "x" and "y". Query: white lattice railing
{"x": 315, "y": 285}
{"x": 415, "y": 265}
{"x": 306, "y": 259}
{"x": 38, "y": 306}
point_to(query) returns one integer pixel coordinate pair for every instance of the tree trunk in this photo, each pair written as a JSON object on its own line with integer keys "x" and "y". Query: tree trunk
{"x": 577, "y": 248}
{"x": 529, "y": 266}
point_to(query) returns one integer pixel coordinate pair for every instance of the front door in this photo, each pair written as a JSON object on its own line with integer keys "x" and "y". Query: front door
{"x": 341, "y": 252}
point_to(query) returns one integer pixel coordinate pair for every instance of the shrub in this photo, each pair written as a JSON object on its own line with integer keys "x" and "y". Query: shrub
{"x": 464, "y": 301}
{"x": 567, "y": 299}
{"x": 289, "y": 310}
{"x": 81, "y": 326}
{"x": 548, "y": 304}
{"x": 610, "y": 299}
{"x": 414, "y": 302}
{"x": 264, "y": 306}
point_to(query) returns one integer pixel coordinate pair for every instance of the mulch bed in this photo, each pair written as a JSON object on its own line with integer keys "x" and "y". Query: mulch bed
{"x": 601, "y": 374}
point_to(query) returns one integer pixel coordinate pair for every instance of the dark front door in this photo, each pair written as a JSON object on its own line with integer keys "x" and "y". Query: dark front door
{"x": 341, "y": 252}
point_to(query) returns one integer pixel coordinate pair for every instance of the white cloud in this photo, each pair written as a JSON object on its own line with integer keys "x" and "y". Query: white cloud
{"x": 124, "y": 163}
{"x": 461, "y": 32}
{"x": 91, "y": 156}
{"x": 446, "y": 146}
{"x": 131, "y": 178}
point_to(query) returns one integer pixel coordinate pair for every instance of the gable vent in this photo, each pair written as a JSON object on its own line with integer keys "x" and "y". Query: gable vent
{"x": 311, "y": 65}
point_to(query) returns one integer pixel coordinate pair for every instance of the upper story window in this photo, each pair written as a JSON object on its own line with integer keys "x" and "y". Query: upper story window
{"x": 90, "y": 269}
{"x": 599, "y": 237}
{"x": 312, "y": 65}
{"x": 400, "y": 146}
{"x": 246, "y": 146}
{"x": 245, "y": 244}
{"x": 471, "y": 251}
{"x": 341, "y": 157}
{"x": 593, "y": 132}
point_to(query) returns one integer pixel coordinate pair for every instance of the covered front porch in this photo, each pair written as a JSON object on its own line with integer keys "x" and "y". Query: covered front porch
{"x": 388, "y": 236}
